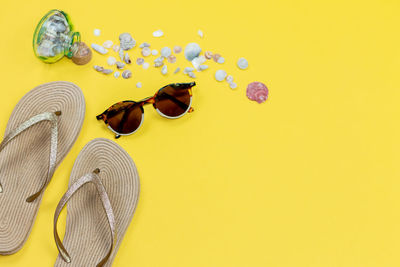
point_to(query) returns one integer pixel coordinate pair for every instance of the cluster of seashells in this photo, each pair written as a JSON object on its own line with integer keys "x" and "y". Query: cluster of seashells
{"x": 126, "y": 43}
{"x": 192, "y": 52}
{"x": 54, "y": 37}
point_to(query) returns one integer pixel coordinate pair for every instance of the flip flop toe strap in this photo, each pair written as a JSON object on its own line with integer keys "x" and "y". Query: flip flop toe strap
{"x": 46, "y": 116}
{"x": 88, "y": 178}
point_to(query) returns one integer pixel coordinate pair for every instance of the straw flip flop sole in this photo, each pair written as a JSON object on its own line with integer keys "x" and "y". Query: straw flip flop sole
{"x": 24, "y": 161}
{"x": 87, "y": 233}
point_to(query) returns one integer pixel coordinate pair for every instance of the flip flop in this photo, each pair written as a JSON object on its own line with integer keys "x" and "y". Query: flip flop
{"x": 97, "y": 216}
{"x": 41, "y": 130}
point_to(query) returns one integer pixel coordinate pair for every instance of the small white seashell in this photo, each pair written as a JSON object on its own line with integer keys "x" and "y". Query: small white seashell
{"x": 116, "y": 74}
{"x": 120, "y": 65}
{"x": 121, "y": 54}
{"x": 111, "y": 61}
{"x": 107, "y": 71}
{"x": 98, "y": 68}
{"x": 192, "y": 75}
{"x": 140, "y": 61}
{"x": 177, "y": 49}
{"x": 158, "y": 33}
{"x": 203, "y": 67}
{"x": 127, "y": 74}
{"x": 146, "y": 52}
{"x": 100, "y": 49}
{"x": 108, "y": 44}
{"x": 164, "y": 70}
{"x": 126, "y": 41}
{"x": 177, "y": 70}
{"x": 146, "y": 65}
{"x": 192, "y": 51}
{"x": 158, "y": 62}
{"x": 220, "y": 75}
{"x": 171, "y": 59}
{"x": 200, "y": 33}
{"x": 221, "y": 60}
{"x": 166, "y": 51}
{"x": 96, "y": 32}
{"x": 229, "y": 78}
{"x": 233, "y": 85}
{"x": 198, "y": 61}
{"x": 127, "y": 59}
{"x": 216, "y": 57}
{"x": 154, "y": 52}
{"x": 188, "y": 69}
{"x": 116, "y": 48}
{"x": 208, "y": 54}
{"x": 143, "y": 45}
{"x": 139, "y": 85}
{"x": 242, "y": 63}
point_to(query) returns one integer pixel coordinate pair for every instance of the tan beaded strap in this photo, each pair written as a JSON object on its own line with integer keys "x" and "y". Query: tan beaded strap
{"x": 88, "y": 178}
{"x": 46, "y": 116}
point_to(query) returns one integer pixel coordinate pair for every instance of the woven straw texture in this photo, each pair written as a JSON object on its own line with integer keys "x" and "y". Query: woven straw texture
{"x": 87, "y": 234}
{"x": 24, "y": 161}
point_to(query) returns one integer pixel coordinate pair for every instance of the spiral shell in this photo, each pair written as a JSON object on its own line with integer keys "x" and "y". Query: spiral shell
{"x": 257, "y": 91}
{"x": 127, "y": 74}
{"x": 127, "y": 59}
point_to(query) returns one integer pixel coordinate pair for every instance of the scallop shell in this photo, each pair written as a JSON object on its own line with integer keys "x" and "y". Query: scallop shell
{"x": 257, "y": 91}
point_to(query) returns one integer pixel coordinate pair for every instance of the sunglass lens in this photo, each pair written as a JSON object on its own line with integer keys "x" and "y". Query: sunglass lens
{"x": 173, "y": 101}
{"x": 125, "y": 117}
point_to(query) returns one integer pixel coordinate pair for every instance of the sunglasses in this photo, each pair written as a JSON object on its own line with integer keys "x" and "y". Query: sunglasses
{"x": 171, "y": 101}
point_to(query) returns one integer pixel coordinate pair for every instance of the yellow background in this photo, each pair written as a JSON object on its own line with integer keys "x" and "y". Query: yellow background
{"x": 309, "y": 178}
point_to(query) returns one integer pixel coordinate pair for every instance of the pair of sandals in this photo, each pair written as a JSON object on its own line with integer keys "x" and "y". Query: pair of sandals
{"x": 103, "y": 188}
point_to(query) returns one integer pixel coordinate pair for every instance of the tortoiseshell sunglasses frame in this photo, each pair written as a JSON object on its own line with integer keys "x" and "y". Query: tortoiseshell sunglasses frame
{"x": 145, "y": 101}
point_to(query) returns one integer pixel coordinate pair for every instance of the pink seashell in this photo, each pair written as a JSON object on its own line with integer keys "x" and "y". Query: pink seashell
{"x": 257, "y": 91}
